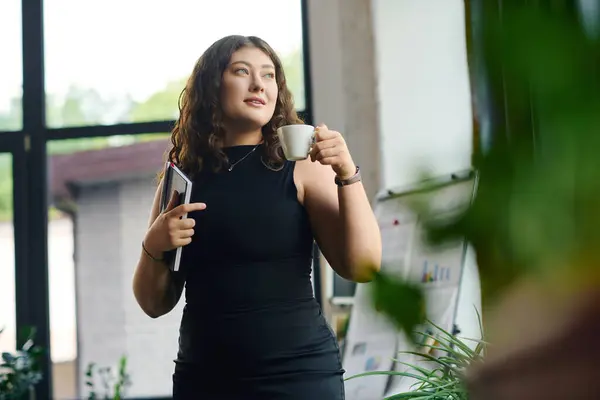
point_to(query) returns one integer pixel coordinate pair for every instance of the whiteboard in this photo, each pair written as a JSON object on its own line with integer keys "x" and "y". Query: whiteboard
{"x": 405, "y": 254}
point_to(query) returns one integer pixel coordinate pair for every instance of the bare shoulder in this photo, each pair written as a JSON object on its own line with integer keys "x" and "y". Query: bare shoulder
{"x": 310, "y": 176}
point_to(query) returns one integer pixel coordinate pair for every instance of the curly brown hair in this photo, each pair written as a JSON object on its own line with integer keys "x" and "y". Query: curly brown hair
{"x": 199, "y": 133}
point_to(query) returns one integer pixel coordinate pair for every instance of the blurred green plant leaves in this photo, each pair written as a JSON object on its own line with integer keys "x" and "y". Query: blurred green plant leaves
{"x": 20, "y": 371}
{"x": 537, "y": 208}
{"x": 403, "y": 302}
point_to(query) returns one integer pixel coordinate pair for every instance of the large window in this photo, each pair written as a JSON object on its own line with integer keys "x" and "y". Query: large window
{"x": 98, "y": 217}
{"x": 111, "y": 61}
{"x": 113, "y": 74}
{"x": 11, "y": 65}
{"x": 7, "y": 264}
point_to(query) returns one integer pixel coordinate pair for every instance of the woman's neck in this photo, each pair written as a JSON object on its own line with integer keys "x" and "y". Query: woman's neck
{"x": 241, "y": 139}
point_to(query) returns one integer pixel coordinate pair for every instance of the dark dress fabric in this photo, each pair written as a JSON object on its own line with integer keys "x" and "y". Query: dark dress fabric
{"x": 251, "y": 327}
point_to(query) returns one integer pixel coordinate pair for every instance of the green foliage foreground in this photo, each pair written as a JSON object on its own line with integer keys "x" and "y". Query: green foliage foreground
{"x": 537, "y": 209}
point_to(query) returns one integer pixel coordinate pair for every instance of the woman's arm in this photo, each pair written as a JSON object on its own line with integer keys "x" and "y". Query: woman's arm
{"x": 156, "y": 289}
{"x": 341, "y": 217}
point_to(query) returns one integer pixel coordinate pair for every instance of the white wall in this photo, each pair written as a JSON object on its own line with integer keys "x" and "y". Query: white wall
{"x": 148, "y": 340}
{"x": 61, "y": 275}
{"x": 62, "y": 283}
{"x": 423, "y": 87}
{"x": 393, "y": 76}
{"x": 7, "y": 287}
{"x": 111, "y": 223}
{"x": 425, "y": 105}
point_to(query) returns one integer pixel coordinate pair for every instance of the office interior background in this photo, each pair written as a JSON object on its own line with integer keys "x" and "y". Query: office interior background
{"x": 88, "y": 95}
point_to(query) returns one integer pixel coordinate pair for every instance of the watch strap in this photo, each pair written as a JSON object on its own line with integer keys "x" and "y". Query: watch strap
{"x": 353, "y": 179}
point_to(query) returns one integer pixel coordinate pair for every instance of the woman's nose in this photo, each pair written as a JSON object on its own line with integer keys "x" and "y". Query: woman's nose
{"x": 257, "y": 85}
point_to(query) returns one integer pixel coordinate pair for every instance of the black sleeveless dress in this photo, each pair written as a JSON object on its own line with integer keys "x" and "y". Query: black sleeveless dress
{"x": 251, "y": 327}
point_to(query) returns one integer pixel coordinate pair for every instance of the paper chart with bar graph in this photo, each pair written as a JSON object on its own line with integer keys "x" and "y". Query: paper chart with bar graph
{"x": 397, "y": 224}
{"x": 406, "y": 255}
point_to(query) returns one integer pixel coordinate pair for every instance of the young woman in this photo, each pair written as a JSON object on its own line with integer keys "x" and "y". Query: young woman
{"x": 251, "y": 327}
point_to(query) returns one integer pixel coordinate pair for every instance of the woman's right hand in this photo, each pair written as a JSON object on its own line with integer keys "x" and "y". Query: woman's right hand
{"x": 169, "y": 230}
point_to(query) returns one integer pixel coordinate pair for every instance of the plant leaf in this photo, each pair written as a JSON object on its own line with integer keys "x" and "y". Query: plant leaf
{"x": 402, "y": 302}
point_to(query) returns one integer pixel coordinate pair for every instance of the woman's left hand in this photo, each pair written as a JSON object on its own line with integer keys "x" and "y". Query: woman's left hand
{"x": 330, "y": 149}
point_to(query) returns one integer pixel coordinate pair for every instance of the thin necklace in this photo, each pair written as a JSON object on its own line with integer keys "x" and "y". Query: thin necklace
{"x": 231, "y": 166}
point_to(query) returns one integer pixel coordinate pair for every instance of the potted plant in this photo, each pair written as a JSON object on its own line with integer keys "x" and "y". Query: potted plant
{"x": 20, "y": 371}
{"x": 440, "y": 364}
{"x": 113, "y": 385}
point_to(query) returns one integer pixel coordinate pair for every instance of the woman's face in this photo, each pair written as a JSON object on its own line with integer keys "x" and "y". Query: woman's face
{"x": 249, "y": 90}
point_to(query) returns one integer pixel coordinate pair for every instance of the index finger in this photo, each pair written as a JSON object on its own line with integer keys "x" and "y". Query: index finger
{"x": 187, "y": 208}
{"x": 324, "y": 134}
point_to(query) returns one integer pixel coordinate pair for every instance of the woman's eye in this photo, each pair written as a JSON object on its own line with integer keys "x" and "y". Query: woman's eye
{"x": 270, "y": 75}
{"x": 242, "y": 71}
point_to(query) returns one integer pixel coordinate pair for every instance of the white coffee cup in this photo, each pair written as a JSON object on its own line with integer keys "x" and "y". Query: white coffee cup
{"x": 296, "y": 140}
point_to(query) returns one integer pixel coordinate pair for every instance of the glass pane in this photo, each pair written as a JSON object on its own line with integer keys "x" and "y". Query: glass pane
{"x": 7, "y": 266}
{"x": 98, "y": 217}
{"x": 11, "y": 77}
{"x": 63, "y": 336}
{"x": 135, "y": 70}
